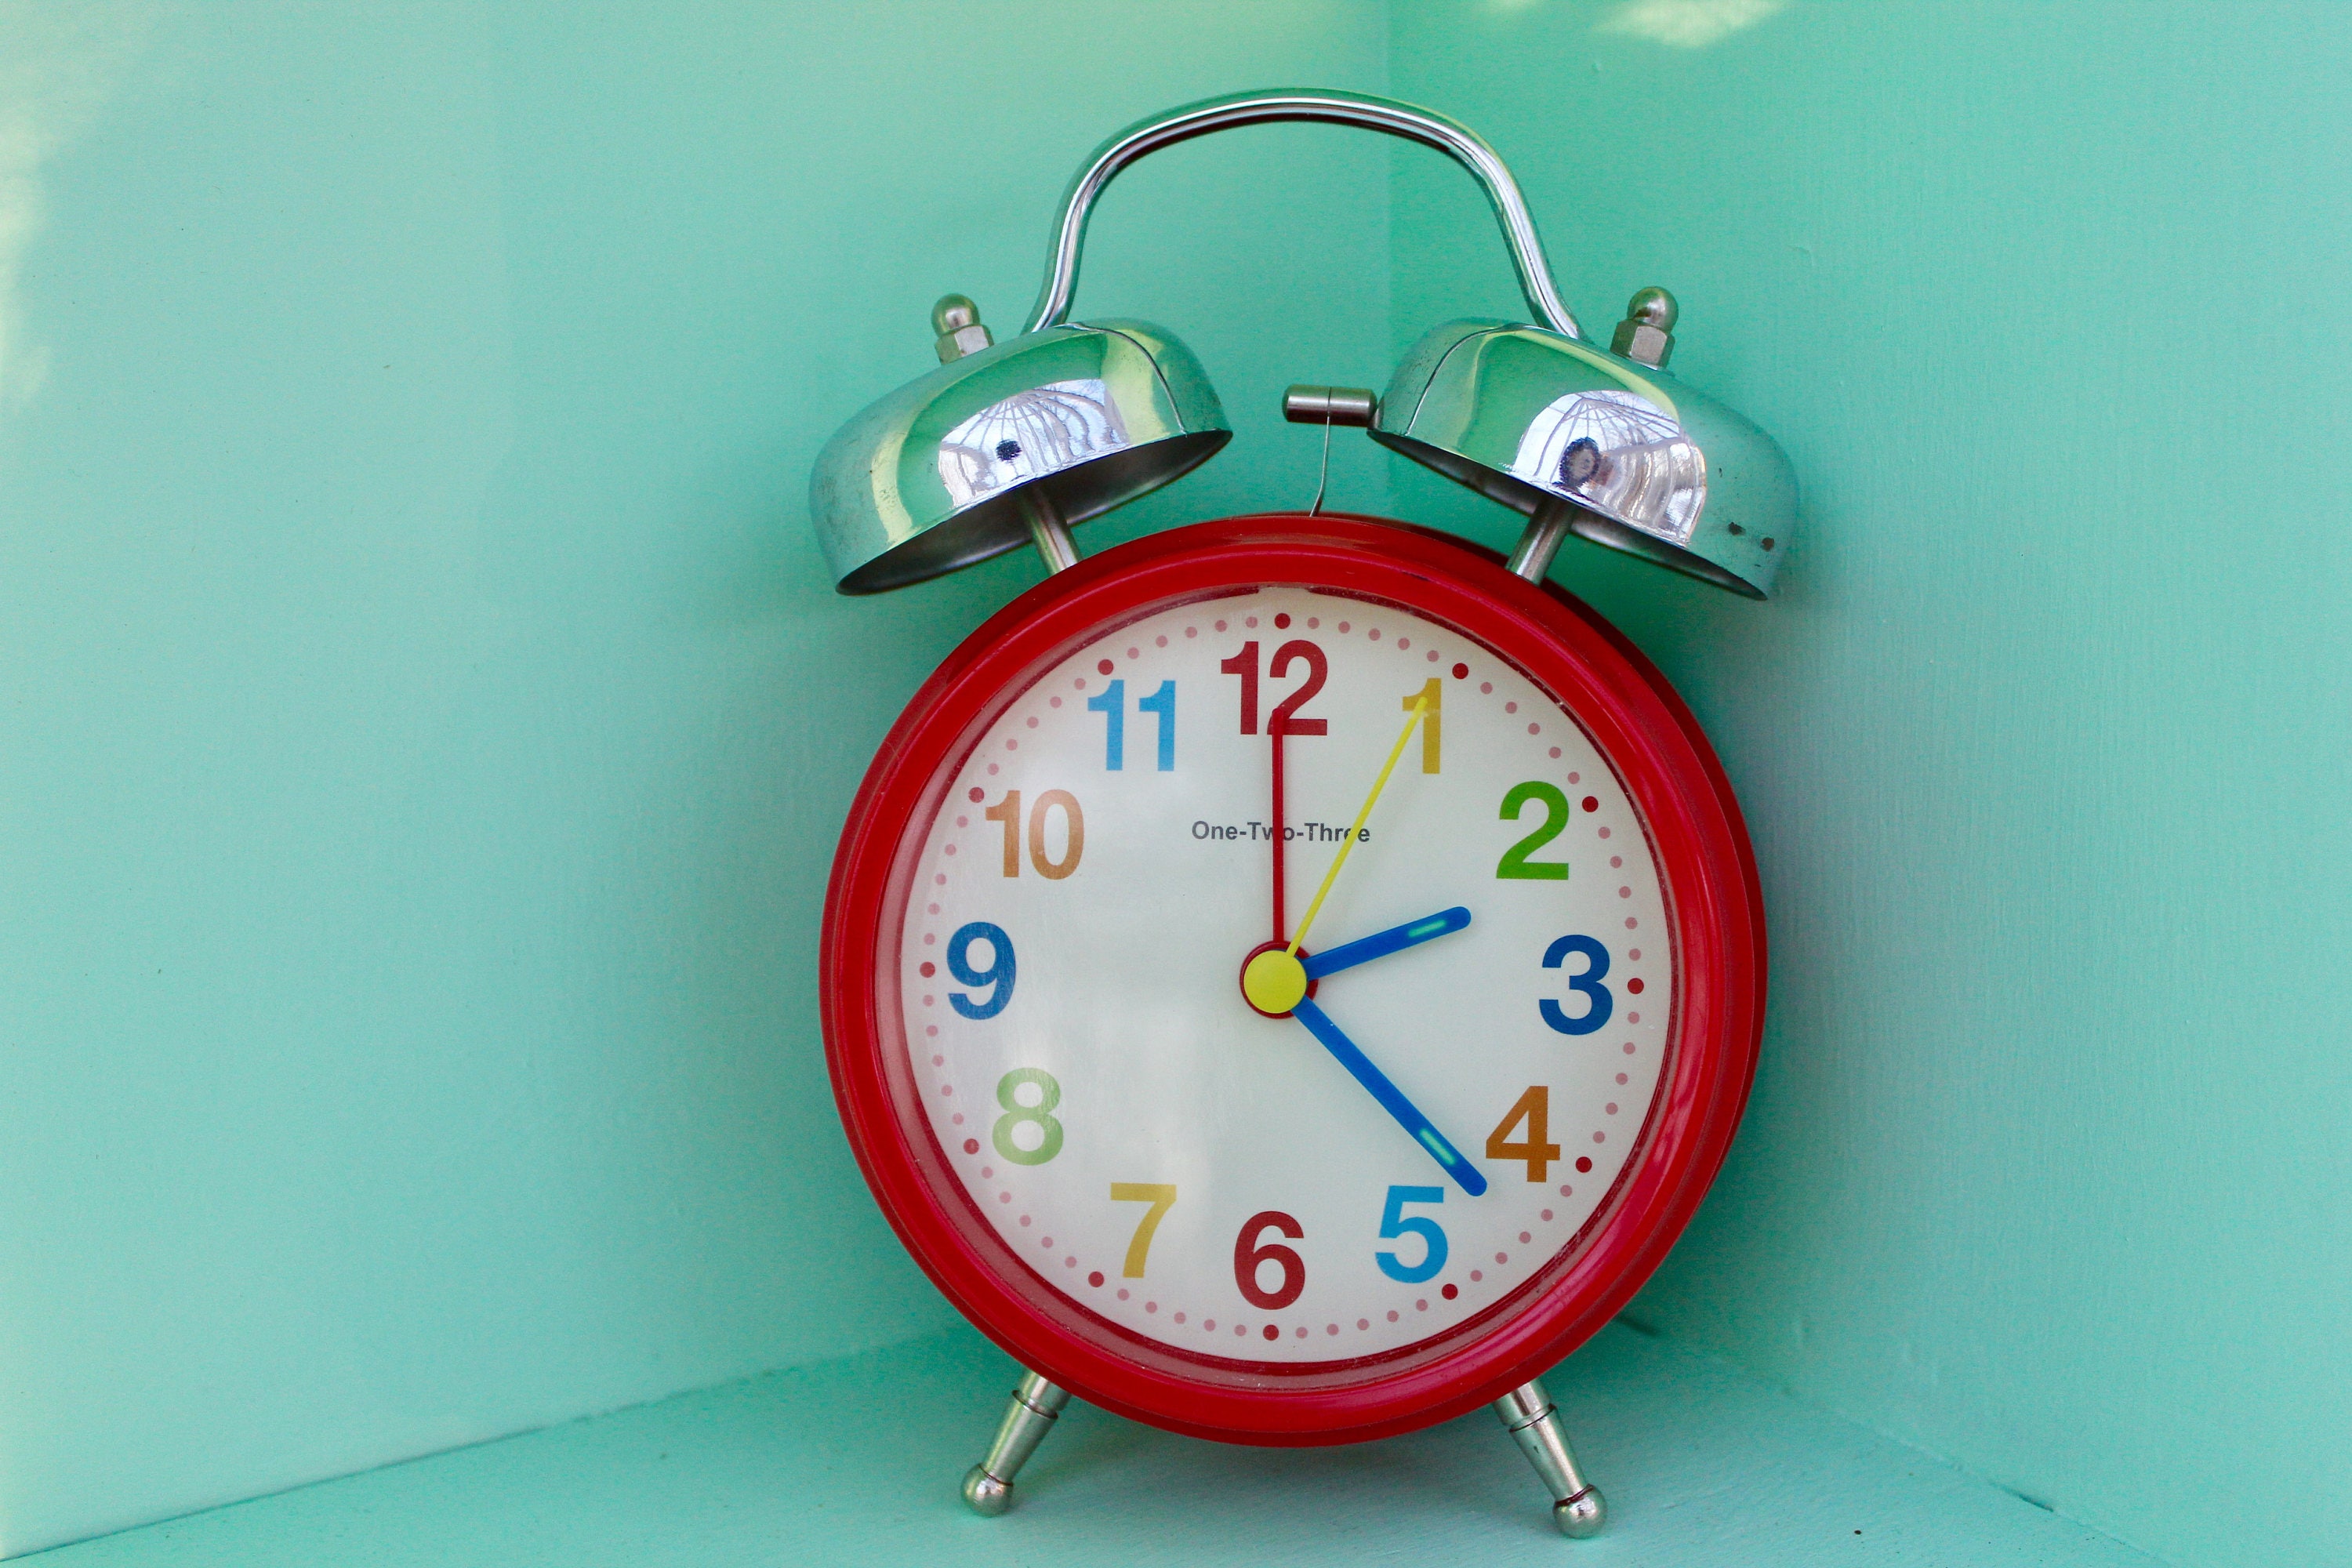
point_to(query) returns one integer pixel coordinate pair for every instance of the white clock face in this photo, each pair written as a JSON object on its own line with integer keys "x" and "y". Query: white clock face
{"x": 1494, "y": 981}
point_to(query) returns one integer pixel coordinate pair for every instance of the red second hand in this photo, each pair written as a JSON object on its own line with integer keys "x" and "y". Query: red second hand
{"x": 1281, "y": 927}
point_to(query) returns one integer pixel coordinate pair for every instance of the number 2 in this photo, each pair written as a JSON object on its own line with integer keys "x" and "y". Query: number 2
{"x": 1515, "y": 866}
{"x": 1286, "y": 720}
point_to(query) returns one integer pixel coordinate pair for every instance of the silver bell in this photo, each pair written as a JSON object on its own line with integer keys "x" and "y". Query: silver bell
{"x": 1007, "y": 443}
{"x": 1644, "y": 463}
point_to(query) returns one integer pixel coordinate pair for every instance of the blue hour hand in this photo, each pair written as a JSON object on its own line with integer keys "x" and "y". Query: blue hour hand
{"x": 1392, "y": 1100}
{"x": 1379, "y": 944}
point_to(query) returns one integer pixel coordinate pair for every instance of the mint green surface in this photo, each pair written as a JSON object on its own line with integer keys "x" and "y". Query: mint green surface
{"x": 2044, "y": 736}
{"x": 426, "y": 721}
{"x": 855, "y": 1462}
{"x": 425, "y": 716}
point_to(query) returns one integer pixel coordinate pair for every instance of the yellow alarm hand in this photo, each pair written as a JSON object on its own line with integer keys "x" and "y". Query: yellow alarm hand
{"x": 1379, "y": 784}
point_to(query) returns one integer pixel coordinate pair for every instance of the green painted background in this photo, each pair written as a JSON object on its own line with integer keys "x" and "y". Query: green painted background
{"x": 424, "y": 719}
{"x": 2045, "y": 740}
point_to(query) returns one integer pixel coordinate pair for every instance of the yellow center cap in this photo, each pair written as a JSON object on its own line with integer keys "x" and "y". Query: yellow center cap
{"x": 1275, "y": 982}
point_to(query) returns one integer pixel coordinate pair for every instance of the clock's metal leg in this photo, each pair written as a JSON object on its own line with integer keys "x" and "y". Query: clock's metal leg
{"x": 1545, "y": 532}
{"x": 1047, "y": 532}
{"x": 989, "y": 1487}
{"x": 1527, "y": 1414}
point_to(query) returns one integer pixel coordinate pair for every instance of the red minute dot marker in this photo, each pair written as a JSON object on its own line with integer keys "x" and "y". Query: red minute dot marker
{"x": 1282, "y": 623}
{"x": 1583, "y": 1165}
{"x": 976, "y": 794}
{"x": 1102, "y": 666}
{"x": 1635, "y": 986}
{"x": 1590, "y": 803}
{"x": 1461, "y": 672}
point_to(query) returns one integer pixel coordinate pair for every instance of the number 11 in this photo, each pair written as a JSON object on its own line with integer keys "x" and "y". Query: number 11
{"x": 1112, "y": 705}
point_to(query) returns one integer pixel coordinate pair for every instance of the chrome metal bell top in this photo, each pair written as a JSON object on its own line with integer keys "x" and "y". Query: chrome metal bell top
{"x": 947, "y": 471}
{"x": 1643, "y": 462}
{"x": 1007, "y": 443}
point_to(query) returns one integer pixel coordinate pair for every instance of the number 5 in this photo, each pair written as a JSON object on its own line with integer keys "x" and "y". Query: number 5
{"x": 1393, "y": 1225}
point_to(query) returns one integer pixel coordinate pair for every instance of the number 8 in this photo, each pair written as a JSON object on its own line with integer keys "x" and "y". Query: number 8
{"x": 1008, "y": 1095}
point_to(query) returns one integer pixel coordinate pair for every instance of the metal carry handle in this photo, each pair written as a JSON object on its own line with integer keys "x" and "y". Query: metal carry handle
{"x": 1457, "y": 141}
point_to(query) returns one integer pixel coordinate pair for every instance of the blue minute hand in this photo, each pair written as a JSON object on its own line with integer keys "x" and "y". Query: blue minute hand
{"x": 1392, "y": 1100}
{"x": 1379, "y": 944}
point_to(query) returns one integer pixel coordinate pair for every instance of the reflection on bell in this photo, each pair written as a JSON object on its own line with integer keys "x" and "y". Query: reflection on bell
{"x": 1628, "y": 455}
{"x": 1618, "y": 454}
{"x": 1027, "y": 436}
{"x": 1005, "y": 443}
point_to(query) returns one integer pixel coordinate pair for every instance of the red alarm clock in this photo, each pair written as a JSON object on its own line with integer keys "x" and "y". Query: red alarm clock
{"x": 1290, "y": 979}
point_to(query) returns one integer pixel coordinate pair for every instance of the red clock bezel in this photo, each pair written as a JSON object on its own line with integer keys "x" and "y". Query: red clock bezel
{"x": 1714, "y": 906}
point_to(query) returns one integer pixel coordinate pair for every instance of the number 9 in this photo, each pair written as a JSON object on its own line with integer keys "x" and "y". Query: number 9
{"x": 998, "y": 973}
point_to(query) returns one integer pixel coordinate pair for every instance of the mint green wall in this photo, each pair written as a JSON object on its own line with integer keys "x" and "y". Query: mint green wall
{"x": 2045, "y": 740}
{"x": 425, "y": 719}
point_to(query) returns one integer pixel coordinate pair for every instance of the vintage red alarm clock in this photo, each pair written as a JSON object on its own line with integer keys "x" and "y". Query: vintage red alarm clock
{"x": 1290, "y": 979}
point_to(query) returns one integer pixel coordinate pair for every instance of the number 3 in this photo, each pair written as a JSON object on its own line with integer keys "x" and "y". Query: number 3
{"x": 1596, "y": 995}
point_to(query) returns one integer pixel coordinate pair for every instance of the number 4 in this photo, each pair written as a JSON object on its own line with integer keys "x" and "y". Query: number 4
{"x": 1534, "y": 1108}
{"x": 1161, "y": 1196}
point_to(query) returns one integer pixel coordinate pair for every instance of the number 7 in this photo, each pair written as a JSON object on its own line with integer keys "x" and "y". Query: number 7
{"x": 1161, "y": 1196}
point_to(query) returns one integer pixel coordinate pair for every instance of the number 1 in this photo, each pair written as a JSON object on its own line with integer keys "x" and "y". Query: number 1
{"x": 1435, "y": 695}
{"x": 1163, "y": 703}
{"x": 1112, "y": 704}
{"x": 1008, "y": 812}
{"x": 1244, "y": 663}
